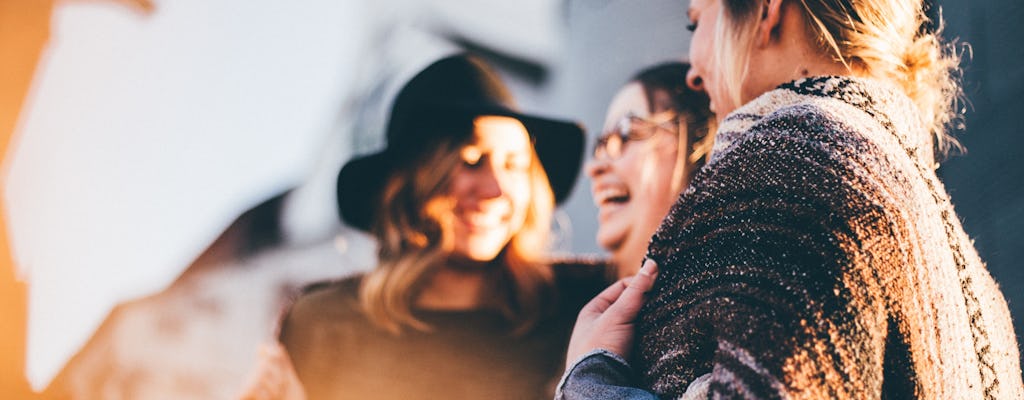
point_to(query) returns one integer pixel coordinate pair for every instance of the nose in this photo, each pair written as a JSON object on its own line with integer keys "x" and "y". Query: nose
{"x": 488, "y": 183}
{"x": 694, "y": 81}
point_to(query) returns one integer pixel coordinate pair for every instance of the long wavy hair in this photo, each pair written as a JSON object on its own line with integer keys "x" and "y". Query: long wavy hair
{"x": 891, "y": 40}
{"x": 415, "y": 235}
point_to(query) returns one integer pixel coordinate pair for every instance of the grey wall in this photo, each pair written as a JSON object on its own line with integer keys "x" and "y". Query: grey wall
{"x": 607, "y": 43}
{"x": 987, "y": 183}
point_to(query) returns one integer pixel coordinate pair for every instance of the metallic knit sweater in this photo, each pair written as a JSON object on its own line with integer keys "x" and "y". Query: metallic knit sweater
{"x": 817, "y": 256}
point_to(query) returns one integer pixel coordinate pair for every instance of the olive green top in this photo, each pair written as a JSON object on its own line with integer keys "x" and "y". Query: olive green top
{"x": 339, "y": 354}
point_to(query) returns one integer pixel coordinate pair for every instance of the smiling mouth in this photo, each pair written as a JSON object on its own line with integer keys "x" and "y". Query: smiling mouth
{"x": 611, "y": 196}
{"x": 483, "y": 221}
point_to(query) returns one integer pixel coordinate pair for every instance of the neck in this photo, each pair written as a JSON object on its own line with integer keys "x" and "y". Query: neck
{"x": 456, "y": 287}
{"x": 789, "y": 55}
{"x": 627, "y": 258}
{"x": 794, "y": 63}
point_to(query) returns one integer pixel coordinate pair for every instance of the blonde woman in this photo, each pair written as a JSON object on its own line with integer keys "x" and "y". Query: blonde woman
{"x": 657, "y": 133}
{"x": 816, "y": 255}
{"x": 464, "y": 303}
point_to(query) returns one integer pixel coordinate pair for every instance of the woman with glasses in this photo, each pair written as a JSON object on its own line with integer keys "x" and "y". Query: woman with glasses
{"x": 657, "y": 133}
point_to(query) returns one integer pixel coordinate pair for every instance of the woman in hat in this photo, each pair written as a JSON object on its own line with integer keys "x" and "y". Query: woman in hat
{"x": 817, "y": 254}
{"x": 657, "y": 134}
{"x": 463, "y": 303}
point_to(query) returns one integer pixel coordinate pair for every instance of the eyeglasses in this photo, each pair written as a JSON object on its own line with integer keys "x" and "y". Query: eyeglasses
{"x": 612, "y": 143}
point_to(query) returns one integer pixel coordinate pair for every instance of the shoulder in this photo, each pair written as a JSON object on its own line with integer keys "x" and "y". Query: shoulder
{"x": 812, "y": 137}
{"x": 795, "y": 114}
{"x": 332, "y": 287}
{"x": 325, "y": 301}
{"x": 325, "y": 315}
{"x": 579, "y": 279}
{"x": 795, "y": 163}
{"x": 805, "y": 126}
{"x": 572, "y": 270}
{"x": 820, "y": 118}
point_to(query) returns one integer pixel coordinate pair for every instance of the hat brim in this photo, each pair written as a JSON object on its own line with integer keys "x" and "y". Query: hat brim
{"x": 559, "y": 146}
{"x": 360, "y": 184}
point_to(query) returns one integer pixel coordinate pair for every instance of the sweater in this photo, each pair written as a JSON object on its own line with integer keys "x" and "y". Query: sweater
{"x": 338, "y": 353}
{"x": 817, "y": 255}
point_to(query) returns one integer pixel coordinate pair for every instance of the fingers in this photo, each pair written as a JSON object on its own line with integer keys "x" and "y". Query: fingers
{"x": 644, "y": 279}
{"x": 603, "y": 300}
{"x": 606, "y": 322}
{"x": 631, "y": 297}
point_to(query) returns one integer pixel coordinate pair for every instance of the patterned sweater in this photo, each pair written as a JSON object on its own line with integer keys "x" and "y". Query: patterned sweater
{"x": 817, "y": 255}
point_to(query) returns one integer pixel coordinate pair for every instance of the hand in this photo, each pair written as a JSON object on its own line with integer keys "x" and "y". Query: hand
{"x": 274, "y": 377}
{"x": 606, "y": 322}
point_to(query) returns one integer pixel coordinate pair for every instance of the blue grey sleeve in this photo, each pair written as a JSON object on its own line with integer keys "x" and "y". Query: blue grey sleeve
{"x": 600, "y": 374}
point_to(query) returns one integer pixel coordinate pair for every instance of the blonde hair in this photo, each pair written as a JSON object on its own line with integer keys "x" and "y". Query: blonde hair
{"x": 888, "y": 40}
{"x": 414, "y": 230}
{"x": 694, "y": 148}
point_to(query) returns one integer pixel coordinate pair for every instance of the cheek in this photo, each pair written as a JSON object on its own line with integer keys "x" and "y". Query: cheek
{"x": 517, "y": 191}
{"x": 663, "y": 195}
{"x": 700, "y": 45}
{"x": 519, "y": 194}
{"x": 696, "y": 51}
{"x": 458, "y": 186}
{"x": 659, "y": 178}
{"x": 631, "y": 168}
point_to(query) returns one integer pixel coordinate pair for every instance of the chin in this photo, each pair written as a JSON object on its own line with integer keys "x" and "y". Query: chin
{"x": 481, "y": 257}
{"x": 482, "y": 249}
{"x": 610, "y": 244}
{"x": 611, "y": 234}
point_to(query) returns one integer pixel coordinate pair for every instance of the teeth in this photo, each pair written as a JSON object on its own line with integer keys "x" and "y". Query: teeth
{"x": 607, "y": 194}
{"x": 484, "y": 219}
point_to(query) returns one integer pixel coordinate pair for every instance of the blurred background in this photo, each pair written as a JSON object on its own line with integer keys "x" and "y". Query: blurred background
{"x": 168, "y": 173}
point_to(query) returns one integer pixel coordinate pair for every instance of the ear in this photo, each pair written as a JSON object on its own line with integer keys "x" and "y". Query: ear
{"x": 771, "y": 16}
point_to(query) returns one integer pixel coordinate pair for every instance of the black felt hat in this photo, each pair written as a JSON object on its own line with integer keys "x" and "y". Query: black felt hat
{"x": 443, "y": 99}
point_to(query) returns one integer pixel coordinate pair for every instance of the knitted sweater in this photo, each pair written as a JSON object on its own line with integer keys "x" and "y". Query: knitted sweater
{"x": 817, "y": 255}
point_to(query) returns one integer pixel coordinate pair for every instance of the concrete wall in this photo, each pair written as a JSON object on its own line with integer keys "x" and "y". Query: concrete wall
{"x": 987, "y": 183}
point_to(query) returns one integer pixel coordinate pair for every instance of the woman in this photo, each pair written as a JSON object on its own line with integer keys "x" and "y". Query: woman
{"x": 657, "y": 134}
{"x": 817, "y": 254}
{"x": 463, "y": 303}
